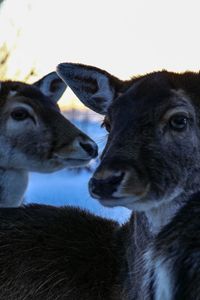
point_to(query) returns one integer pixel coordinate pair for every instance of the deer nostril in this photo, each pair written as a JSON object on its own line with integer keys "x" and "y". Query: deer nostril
{"x": 105, "y": 187}
{"x": 90, "y": 148}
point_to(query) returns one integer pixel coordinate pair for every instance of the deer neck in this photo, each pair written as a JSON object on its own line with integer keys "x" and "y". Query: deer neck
{"x": 13, "y": 183}
{"x": 160, "y": 216}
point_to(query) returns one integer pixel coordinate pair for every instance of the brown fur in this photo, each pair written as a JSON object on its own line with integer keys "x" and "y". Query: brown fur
{"x": 58, "y": 253}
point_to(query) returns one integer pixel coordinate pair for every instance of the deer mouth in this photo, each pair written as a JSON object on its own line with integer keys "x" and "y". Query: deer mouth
{"x": 71, "y": 162}
{"x": 124, "y": 200}
{"x": 77, "y": 162}
{"x": 115, "y": 189}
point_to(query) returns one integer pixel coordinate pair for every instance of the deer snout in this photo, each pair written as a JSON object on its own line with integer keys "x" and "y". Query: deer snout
{"x": 89, "y": 147}
{"x": 80, "y": 151}
{"x": 103, "y": 186}
{"x": 118, "y": 187}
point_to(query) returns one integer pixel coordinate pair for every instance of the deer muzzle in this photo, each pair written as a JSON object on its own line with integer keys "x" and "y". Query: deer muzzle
{"x": 111, "y": 185}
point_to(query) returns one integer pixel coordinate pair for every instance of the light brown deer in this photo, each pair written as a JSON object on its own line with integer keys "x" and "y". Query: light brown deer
{"x": 50, "y": 253}
{"x": 34, "y": 135}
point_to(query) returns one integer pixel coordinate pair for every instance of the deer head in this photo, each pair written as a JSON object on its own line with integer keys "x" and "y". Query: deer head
{"x": 152, "y": 153}
{"x": 34, "y": 135}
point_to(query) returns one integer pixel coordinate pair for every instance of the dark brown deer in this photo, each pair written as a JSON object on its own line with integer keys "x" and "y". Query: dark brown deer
{"x": 151, "y": 164}
{"x": 35, "y": 136}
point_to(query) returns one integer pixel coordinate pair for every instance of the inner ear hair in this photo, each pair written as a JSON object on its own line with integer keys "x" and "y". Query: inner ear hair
{"x": 94, "y": 87}
{"x": 52, "y": 86}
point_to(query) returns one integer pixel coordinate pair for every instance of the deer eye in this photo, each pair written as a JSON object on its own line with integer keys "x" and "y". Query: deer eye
{"x": 178, "y": 122}
{"x": 106, "y": 124}
{"x": 19, "y": 114}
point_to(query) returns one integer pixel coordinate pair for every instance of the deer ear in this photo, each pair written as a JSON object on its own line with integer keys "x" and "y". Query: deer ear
{"x": 94, "y": 87}
{"x": 52, "y": 86}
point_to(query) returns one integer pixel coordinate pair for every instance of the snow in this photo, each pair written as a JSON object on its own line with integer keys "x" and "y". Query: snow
{"x": 70, "y": 187}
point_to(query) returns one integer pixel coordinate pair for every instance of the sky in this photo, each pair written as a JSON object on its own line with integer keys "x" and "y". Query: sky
{"x": 126, "y": 38}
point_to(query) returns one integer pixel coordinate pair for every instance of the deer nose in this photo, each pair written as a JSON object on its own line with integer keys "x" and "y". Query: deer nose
{"x": 104, "y": 188}
{"x": 89, "y": 147}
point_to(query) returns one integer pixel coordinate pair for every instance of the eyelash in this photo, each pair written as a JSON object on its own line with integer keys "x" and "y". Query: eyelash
{"x": 106, "y": 125}
{"x": 103, "y": 124}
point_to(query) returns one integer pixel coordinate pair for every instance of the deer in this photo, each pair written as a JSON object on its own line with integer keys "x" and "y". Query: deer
{"x": 35, "y": 136}
{"x": 48, "y": 252}
{"x": 151, "y": 165}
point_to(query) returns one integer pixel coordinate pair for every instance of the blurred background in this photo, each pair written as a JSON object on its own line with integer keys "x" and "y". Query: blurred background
{"x": 126, "y": 38}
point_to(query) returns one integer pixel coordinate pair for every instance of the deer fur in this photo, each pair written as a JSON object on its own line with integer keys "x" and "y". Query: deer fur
{"x": 58, "y": 253}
